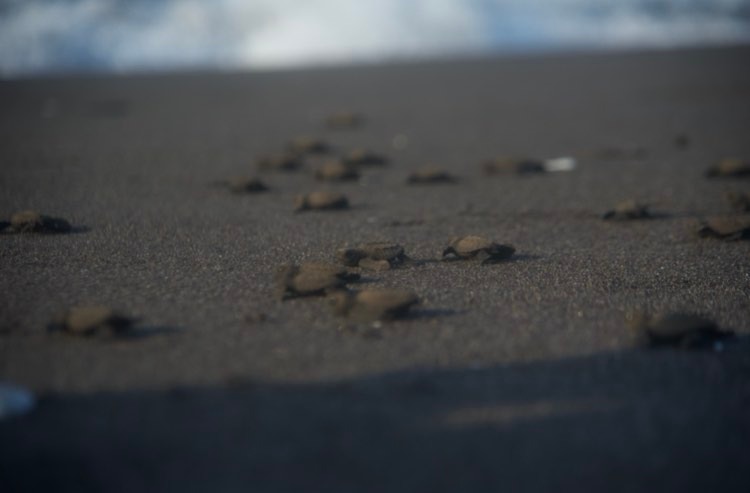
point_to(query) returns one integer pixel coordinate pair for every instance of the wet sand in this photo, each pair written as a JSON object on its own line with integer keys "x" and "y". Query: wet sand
{"x": 520, "y": 375}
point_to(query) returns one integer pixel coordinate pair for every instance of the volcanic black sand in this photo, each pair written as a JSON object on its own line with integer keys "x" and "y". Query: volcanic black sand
{"x": 521, "y": 375}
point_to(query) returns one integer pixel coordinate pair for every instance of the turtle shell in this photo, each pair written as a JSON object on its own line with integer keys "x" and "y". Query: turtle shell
{"x": 373, "y": 253}
{"x": 679, "y": 329}
{"x": 363, "y": 157}
{"x": 90, "y": 321}
{"x": 375, "y": 304}
{"x": 242, "y": 184}
{"x": 469, "y": 247}
{"x": 521, "y": 166}
{"x": 308, "y": 280}
{"x": 430, "y": 175}
{"x": 336, "y": 171}
{"x": 34, "y": 222}
{"x": 725, "y": 228}
{"x": 321, "y": 201}
{"x": 308, "y": 145}
{"x": 729, "y": 167}
{"x": 279, "y": 162}
{"x": 628, "y": 210}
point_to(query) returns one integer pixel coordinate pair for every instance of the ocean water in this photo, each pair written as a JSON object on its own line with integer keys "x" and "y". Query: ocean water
{"x": 47, "y": 36}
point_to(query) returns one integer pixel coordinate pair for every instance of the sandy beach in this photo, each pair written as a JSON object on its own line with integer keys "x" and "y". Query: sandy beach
{"x": 517, "y": 376}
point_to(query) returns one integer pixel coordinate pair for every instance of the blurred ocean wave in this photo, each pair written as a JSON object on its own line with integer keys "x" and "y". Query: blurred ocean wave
{"x": 43, "y": 36}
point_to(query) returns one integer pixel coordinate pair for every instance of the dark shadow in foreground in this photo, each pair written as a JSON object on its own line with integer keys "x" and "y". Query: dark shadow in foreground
{"x": 661, "y": 420}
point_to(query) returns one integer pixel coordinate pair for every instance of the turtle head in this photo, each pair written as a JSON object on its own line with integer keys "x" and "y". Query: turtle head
{"x": 350, "y": 256}
{"x": 449, "y": 251}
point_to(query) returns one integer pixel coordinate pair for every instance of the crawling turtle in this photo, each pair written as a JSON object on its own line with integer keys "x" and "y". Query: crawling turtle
{"x": 88, "y": 321}
{"x": 279, "y": 162}
{"x": 729, "y": 168}
{"x": 344, "y": 120}
{"x": 308, "y": 145}
{"x": 373, "y": 304}
{"x": 725, "y": 228}
{"x": 34, "y": 222}
{"x": 520, "y": 166}
{"x": 336, "y": 170}
{"x": 320, "y": 201}
{"x": 683, "y": 330}
{"x": 373, "y": 256}
{"x": 738, "y": 201}
{"x": 627, "y": 210}
{"x": 363, "y": 157}
{"x": 311, "y": 279}
{"x": 244, "y": 184}
{"x": 478, "y": 248}
{"x": 430, "y": 175}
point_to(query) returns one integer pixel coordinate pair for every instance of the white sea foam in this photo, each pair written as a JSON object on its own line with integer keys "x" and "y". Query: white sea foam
{"x": 121, "y": 35}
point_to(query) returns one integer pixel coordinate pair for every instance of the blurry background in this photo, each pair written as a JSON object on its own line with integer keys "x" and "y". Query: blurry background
{"x": 42, "y": 36}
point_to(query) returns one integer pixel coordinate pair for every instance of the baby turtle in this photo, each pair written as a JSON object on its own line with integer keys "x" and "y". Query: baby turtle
{"x": 627, "y": 210}
{"x": 33, "y": 222}
{"x": 344, "y": 120}
{"x": 336, "y": 170}
{"x": 725, "y": 228}
{"x": 738, "y": 201}
{"x": 430, "y": 175}
{"x": 478, "y": 248}
{"x": 311, "y": 279}
{"x": 373, "y": 304}
{"x": 683, "y": 330}
{"x": 363, "y": 157}
{"x": 520, "y": 166}
{"x": 373, "y": 256}
{"x": 279, "y": 162}
{"x": 320, "y": 201}
{"x": 308, "y": 145}
{"x": 88, "y": 321}
{"x": 729, "y": 168}
{"x": 243, "y": 184}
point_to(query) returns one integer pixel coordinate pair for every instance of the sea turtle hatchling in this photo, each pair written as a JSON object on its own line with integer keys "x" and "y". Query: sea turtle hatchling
{"x": 344, "y": 120}
{"x": 477, "y": 248}
{"x": 311, "y": 279}
{"x": 363, "y": 157}
{"x": 725, "y": 228}
{"x": 373, "y": 256}
{"x": 683, "y": 330}
{"x": 336, "y": 170}
{"x": 308, "y": 145}
{"x": 244, "y": 184}
{"x": 520, "y": 166}
{"x": 285, "y": 162}
{"x": 729, "y": 168}
{"x": 430, "y": 175}
{"x": 94, "y": 320}
{"x": 627, "y": 210}
{"x": 321, "y": 201}
{"x": 34, "y": 222}
{"x": 373, "y": 304}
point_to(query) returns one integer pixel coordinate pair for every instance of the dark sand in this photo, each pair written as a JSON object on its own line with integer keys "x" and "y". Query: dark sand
{"x": 518, "y": 376}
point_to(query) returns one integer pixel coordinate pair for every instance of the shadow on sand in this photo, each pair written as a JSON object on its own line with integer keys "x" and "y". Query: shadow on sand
{"x": 629, "y": 421}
